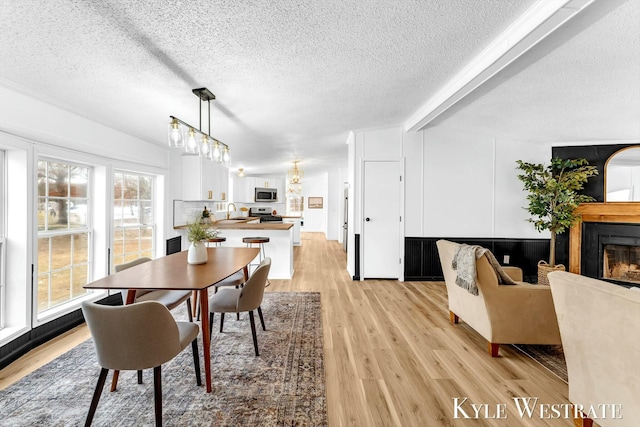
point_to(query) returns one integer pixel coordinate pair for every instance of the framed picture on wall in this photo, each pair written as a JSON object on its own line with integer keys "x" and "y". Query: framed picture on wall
{"x": 315, "y": 202}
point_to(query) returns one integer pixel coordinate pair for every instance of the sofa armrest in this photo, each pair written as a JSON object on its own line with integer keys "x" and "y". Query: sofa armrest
{"x": 524, "y": 314}
{"x": 514, "y": 272}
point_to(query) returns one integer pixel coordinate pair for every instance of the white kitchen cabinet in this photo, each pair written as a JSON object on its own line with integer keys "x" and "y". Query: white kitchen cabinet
{"x": 203, "y": 179}
{"x": 198, "y": 176}
{"x": 297, "y": 222}
{"x": 244, "y": 189}
{"x": 221, "y": 184}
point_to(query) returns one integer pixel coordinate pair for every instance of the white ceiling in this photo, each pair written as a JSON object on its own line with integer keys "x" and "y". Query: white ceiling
{"x": 292, "y": 78}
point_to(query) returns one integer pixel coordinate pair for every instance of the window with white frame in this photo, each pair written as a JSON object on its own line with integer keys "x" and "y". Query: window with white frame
{"x": 64, "y": 234}
{"x": 2, "y": 241}
{"x": 134, "y": 218}
{"x": 296, "y": 205}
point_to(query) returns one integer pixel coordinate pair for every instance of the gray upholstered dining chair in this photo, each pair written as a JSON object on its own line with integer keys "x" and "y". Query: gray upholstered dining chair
{"x": 169, "y": 298}
{"x": 155, "y": 339}
{"x": 236, "y": 280}
{"x": 247, "y": 298}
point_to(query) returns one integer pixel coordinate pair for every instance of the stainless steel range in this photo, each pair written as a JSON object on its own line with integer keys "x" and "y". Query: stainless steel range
{"x": 265, "y": 214}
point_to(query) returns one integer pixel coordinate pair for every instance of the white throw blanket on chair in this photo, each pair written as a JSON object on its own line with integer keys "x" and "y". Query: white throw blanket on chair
{"x": 464, "y": 262}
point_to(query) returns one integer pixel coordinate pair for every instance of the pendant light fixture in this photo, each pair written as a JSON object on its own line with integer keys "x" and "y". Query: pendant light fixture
{"x": 195, "y": 141}
{"x": 294, "y": 176}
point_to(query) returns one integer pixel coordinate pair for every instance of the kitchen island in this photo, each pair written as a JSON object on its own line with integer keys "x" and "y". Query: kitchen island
{"x": 279, "y": 248}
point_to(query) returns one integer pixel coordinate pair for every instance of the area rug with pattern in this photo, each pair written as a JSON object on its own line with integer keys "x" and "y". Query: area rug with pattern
{"x": 549, "y": 356}
{"x": 284, "y": 386}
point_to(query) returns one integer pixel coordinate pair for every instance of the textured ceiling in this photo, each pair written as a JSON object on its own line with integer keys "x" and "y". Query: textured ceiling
{"x": 292, "y": 78}
{"x": 581, "y": 84}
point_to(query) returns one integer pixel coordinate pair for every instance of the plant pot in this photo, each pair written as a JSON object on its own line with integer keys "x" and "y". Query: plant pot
{"x": 544, "y": 268}
{"x": 197, "y": 253}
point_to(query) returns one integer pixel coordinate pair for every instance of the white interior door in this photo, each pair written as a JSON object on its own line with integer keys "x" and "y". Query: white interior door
{"x": 381, "y": 220}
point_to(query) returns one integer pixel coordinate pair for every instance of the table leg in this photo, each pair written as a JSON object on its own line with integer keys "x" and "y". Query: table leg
{"x": 206, "y": 342}
{"x": 131, "y": 296}
{"x": 246, "y": 273}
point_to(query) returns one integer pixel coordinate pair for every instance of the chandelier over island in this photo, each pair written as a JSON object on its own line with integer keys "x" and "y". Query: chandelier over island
{"x": 294, "y": 176}
{"x": 195, "y": 141}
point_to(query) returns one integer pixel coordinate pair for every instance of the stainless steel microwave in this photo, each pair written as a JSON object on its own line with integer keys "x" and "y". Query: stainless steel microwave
{"x": 266, "y": 194}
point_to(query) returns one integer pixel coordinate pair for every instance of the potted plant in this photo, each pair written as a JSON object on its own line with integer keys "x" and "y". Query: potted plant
{"x": 197, "y": 233}
{"x": 553, "y": 199}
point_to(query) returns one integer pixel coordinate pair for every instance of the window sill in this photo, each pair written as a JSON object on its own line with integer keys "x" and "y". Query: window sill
{"x": 8, "y": 334}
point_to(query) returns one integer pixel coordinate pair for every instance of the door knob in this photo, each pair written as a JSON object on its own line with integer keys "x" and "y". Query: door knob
{"x": 367, "y": 219}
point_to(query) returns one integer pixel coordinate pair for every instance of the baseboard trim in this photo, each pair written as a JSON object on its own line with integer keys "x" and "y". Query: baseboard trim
{"x": 40, "y": 335}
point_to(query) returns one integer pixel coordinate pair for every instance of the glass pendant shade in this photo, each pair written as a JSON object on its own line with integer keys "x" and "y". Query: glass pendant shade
{"x": 226, "y": 158}
{"x": 175, "y": 134}
{"x": 216, "y": 154}
{"x": 191, "y": 146}
{"x": 205, "y": 149}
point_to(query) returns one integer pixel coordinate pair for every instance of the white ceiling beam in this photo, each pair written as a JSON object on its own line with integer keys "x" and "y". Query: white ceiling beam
{"x": 540, "y": 20}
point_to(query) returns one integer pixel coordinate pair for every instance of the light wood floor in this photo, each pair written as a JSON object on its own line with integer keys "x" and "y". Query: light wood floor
{"x": 391, "y": 356}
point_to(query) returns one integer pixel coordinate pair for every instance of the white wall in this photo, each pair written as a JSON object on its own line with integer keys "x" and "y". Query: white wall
{"x": 335, "y": 199}
{"x": 455, "y": 184}
{"x": 414, "y": 184}
{"x": 351, "y": 208}
{"x": 315, "y": 220}
{"x": 32, "y": 118}
{"x": 469, "y": 185}
{"x": 510, "y": 200}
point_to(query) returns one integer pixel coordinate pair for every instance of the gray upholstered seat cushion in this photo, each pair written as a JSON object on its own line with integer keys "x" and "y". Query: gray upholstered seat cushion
{"x": 188, "y": 332}
{"x": 225, "y": 301}
{"x": 235, "y": 279}
{"x": 170, "y": 299}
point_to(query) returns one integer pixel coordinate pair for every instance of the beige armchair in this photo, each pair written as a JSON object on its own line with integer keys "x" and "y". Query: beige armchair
{"x": 137, "y": 336}
{"x": 502, "y": 314}
{"x": 600, "y": 329}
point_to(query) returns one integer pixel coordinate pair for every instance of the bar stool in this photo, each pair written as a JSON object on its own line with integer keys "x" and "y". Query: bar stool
{"x": 260, "y": 241}
{"x": 217, "y": 241}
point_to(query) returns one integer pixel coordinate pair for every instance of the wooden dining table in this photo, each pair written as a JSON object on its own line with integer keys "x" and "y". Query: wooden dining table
{"x": 172, "y": 272}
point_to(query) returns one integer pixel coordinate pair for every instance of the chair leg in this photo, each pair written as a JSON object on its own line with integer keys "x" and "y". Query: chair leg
{"x": 114, "y": 380}
{"x": 189, "y": 309}
{"x": 253, "y": 332}
{"x": 96, "y": 396}
{"x": 493, "y": 349}
{"x": 581, "y": 420}
{"x": 210, "y": 326}
{"x": 139, "y": 377}
{"x": 453, "y": 317}
{"x": 221, "y": 321}
{"x": 157, "y": 394}
{"x": 195, "y": 308}
{"x": 196, "y": 360}
{"x": 261, "y": 318}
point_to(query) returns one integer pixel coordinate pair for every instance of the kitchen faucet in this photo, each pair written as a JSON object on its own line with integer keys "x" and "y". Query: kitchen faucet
{"x": 229, "y": 212}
